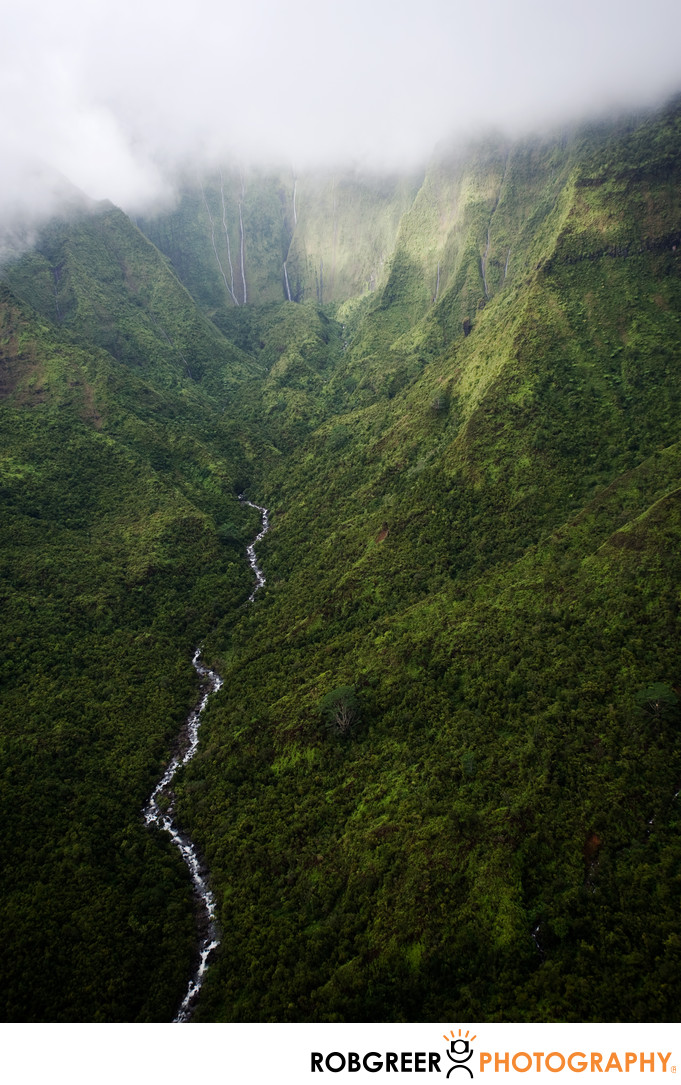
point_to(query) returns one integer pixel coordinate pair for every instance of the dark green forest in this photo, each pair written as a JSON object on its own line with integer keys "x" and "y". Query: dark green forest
{"x": 441, "y": 779}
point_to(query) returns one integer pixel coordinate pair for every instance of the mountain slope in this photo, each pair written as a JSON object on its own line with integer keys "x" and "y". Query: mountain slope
{"x": 486, "y": 550}
{"x": 99, "y": 278}
{"x": 473, "y": 474}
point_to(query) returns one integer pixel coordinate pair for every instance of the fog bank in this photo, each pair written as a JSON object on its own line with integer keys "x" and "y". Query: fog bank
{"x": 116, "y": 96}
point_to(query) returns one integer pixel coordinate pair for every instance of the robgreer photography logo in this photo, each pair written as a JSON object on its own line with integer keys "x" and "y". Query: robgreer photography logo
{"x": 460, "y": 1052}
{"x": 459, "y": 1056}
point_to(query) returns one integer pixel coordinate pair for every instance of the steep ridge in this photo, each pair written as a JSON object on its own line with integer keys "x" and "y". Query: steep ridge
{"x": 99, "y": 278}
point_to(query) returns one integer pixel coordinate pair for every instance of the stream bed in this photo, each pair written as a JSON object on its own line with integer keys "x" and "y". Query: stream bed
{"x": 159, "y": 810}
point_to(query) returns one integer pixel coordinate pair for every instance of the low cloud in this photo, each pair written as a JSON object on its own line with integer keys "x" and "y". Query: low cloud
{"x": 116, "y": 96}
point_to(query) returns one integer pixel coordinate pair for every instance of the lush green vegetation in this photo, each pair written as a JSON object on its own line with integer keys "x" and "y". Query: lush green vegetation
{"x": 441, "y": 779}
{"x": 122, "y": 542}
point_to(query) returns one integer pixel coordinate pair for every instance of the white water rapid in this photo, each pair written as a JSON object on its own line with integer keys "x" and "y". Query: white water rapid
{"x": 154, "y": 814}
{"x": 160, "y": 808}
{"x": 250, "y": 550}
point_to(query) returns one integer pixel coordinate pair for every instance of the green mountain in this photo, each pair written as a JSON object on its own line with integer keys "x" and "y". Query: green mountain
{"x": 441, "y": 779}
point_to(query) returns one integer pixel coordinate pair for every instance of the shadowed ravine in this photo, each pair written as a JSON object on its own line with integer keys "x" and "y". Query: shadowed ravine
{"x": 160, "y": 808}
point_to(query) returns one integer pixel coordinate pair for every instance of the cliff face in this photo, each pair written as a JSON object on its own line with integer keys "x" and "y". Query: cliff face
{"x": 277, "y": 237}
{"x": 481, "y": 217}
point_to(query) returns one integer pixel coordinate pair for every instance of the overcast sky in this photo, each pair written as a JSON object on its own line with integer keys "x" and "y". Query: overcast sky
{"x": 112, "y": 93}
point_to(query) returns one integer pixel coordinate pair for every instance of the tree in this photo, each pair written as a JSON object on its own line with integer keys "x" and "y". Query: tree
{"x": 340, "y": 709}
{"x": 658, "y": 701}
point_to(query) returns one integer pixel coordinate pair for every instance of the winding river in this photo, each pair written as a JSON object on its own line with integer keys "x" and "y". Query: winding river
{"x": 250, "y": 550}
{"x": 159, "y": 810}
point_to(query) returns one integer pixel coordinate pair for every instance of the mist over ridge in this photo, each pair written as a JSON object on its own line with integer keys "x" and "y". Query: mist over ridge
{"x": 118, "y": 98}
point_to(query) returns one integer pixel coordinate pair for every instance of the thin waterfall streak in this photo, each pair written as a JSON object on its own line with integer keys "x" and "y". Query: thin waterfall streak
{"x": 229, "y": 251}
{"x": 243, "y": 268}
{"x": 212, "y": 237}
{"x": 483, "y": 261}
{"x": 241, "y": 224}
{"x": 55, "y": 278}
{"x": 437, "y": 284}
{"x": 335, "y": 234}
{"x": 288, "y": 288}
{"x": 172, "y": 345}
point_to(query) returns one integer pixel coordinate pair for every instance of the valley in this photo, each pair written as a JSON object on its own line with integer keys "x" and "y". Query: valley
{"x": 440, "y": 777}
